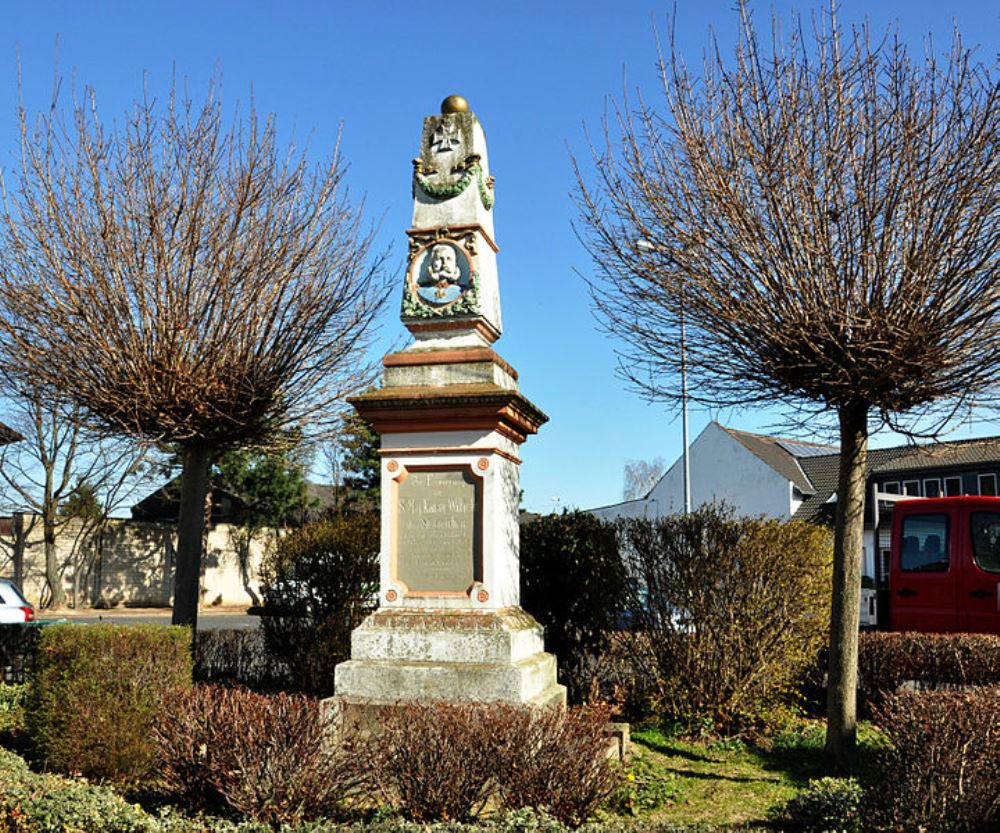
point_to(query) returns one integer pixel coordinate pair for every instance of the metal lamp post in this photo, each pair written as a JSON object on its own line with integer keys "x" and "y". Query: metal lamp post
{"x": 646, "y": 246}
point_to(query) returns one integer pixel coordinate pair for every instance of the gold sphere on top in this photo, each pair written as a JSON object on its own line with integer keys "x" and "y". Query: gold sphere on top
{"x": 454, "y": 104}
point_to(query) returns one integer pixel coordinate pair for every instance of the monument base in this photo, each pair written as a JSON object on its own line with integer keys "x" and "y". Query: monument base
{"x": 457, "y": 656}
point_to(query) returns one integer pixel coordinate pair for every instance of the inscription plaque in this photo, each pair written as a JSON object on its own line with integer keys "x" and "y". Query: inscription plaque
{"x": 438, "y": 546}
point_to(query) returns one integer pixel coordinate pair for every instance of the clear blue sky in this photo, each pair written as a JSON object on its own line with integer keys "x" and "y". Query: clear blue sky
{"x": 534, "y": 73}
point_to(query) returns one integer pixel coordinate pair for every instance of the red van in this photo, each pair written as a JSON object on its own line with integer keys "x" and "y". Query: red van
{"x": 944, "y": 571}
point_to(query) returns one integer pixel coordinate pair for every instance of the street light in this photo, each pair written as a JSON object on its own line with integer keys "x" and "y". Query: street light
{"x": 646, "y": 246}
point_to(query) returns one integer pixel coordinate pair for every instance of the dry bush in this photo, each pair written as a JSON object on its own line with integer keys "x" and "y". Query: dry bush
{"x": 729, "y": 614}
{"x": 940, "y": 769}
{"x": 236, "y": 656}
{"x": 445, "y": 761}
{"x": 554, "y": 759}
{"x": 266, "y": 756}
{"x": 434, "y": 761}
{"x": 932, "y": 660}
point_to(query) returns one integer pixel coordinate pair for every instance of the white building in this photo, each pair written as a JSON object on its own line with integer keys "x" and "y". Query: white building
{"x": 753, "y": 473}
{"x": 761, "y": 475}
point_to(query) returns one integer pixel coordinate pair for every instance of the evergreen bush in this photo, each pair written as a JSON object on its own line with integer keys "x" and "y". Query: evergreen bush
{"x": 827, "y": 805}
{"x": 573, "y": 582}
{"x": 95, "y": 692}
{"x": 319, "y": 582}
{"x": 31, "y": 803}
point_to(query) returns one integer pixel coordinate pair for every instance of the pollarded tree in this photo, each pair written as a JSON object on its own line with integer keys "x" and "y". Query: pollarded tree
{"x": 815, "y": 223}
{"x": 185, "y": 280}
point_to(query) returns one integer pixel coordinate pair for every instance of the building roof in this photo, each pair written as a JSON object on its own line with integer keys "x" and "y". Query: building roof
{"x": 938, "y": 455}
{"x": 823, "y": 471}
{"x": 782, "y": 455}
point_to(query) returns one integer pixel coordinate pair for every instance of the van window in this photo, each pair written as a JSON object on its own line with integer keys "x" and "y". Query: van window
{"x": 925, "y": 543}
{"x": 986, "y": 540}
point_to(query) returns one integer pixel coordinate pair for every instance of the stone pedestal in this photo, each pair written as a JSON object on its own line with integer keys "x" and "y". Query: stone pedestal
{"x": 452, "y": 421}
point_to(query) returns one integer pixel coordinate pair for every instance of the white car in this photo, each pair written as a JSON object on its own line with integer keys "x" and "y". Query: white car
{"x": 13, "y": 606}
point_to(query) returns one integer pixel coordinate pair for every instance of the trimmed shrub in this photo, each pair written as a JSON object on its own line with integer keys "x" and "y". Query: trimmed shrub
{"x": 728, "y": 613}
{"x": 95, "y": 692}
{"x": 319, "y": 582}
{"x": 931, "y": 660}
{"x": 266, "y": 756}
{"x": 239, "y": 657}
{"x": 573, "y": 582}
{"x": 940, "y": 767}
{"x": 445, "y": 761}
{"x": 827, "y": 805}
{"x": 32, "y": 803}
{"x": 433, "y": 761}
{"x": 554, "y": 759}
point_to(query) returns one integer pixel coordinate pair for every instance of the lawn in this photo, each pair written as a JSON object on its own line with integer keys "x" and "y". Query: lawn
{"x": 719, "y": 782}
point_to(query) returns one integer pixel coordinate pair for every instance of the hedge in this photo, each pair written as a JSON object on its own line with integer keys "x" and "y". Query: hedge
{"x": 95, "y": 691}
{"x": 931, "y": 660}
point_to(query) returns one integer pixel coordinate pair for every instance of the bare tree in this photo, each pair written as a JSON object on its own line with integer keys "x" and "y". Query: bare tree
{"x": 642, "y": 475}
{"x": 180, "y": 279}
{"x": 44, "y": 471}
{"x": 814, "y": 224}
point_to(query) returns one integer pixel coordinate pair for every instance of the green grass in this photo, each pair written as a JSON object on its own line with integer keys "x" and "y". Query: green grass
{"x": 721, "y": 782}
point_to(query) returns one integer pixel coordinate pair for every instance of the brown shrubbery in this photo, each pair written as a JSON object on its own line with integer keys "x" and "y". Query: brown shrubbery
{"x": 442, "y": 762}
{"x": 932, "y": 660}
{"x": 554, "y": 759}
{"x": 727, "y": 614}
{"x": 940, "y": 767}
{"x": 266, "y": 756}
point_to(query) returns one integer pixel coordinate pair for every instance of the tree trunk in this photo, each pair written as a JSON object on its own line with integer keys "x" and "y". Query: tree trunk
{"x": 20, "y": 538}
{"x": 53, "y": 575}
{"x": 190, "y": 529}
{"x": 848, "y": 547}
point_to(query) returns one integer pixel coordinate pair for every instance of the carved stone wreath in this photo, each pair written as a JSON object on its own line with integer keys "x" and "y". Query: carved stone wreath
{"x": 466, "y": 171}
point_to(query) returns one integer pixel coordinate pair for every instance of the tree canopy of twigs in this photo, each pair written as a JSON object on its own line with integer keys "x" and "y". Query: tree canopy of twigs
{"x": 818, "y": 218}
{"x": 182, "y": 277}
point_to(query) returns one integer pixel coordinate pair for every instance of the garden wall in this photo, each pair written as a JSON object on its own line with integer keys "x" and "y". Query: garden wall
{"x": 129, "y": 562}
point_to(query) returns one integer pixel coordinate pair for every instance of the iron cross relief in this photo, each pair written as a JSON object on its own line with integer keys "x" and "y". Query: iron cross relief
{"x": 445, "y": 138}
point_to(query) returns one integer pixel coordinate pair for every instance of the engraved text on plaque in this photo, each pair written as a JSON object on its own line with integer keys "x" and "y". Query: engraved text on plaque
{"x": 438, "y": 546}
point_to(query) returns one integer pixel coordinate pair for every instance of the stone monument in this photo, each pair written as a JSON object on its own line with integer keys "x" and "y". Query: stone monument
{"x": 449, "y": 624}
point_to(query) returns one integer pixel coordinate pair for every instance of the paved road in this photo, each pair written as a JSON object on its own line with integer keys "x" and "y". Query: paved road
{"x": 207, "y": 619}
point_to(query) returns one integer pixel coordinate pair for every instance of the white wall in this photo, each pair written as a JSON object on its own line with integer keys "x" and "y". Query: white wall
{"x": 137, "y": 563}
{"x": 722, "y": 469}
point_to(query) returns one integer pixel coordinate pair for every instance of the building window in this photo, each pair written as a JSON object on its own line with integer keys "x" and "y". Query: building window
{"x": 988, "y": 485}
{"x": 932, "y": 487}
{"x": 925, "y": 544}
{"x": 953, "y": 486}
{"x": 891, "y": 488}
{"x": 911, "y": 488}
